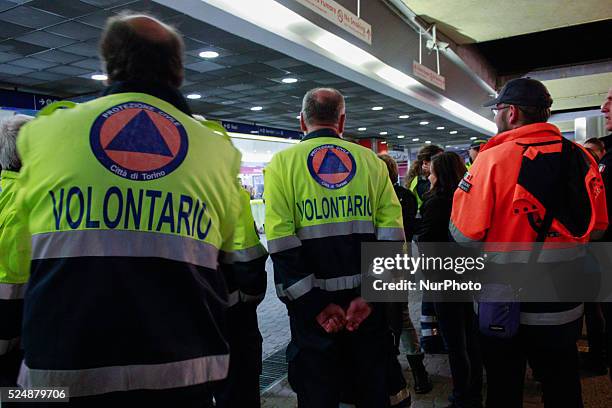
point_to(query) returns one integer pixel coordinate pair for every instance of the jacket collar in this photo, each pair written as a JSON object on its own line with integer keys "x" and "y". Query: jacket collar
{"x": 538, "y": 130}
{"x": 7, "y": 177}
{"x": 163, "y": 92}
{"x": 326, "y": 132}
{"x": 9, "y": 174}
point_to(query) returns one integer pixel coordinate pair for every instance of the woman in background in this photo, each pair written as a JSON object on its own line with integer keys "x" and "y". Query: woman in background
{"x": 399, "y": 316}
{"x": 456, "y": 320}
{"x": 417, "y": 179}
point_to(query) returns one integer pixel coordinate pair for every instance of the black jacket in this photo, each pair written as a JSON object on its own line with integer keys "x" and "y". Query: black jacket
{"x": 435, "y": 217}
{"x": 605, "y": 167}
{"x": 409, "y": 205}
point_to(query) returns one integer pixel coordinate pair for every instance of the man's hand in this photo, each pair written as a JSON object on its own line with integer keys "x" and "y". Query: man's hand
{"x": 332, "y": 319}
{"x": 358, "y": 311}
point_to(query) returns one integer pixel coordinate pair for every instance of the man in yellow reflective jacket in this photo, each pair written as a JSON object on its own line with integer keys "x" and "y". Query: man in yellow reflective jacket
{"x": 324, "y": 197}
{"x": 129, "y": 202}
{"x": 244, "y": 269}
{"x": 14, "y": 253}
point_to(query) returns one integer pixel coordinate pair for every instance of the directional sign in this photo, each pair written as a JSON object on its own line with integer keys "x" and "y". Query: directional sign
{"x": 340, "y": 16}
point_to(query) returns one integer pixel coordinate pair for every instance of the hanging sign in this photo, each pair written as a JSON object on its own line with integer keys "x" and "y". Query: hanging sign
{"x": 428, "y": 75}
{"x": 340, "y": 16}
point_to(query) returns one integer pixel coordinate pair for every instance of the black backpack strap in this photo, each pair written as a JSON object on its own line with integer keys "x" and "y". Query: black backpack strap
{"x": 544, "y": 228}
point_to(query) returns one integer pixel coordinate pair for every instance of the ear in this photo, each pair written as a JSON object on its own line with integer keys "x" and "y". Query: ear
{"x": 302, "y": 123}
{"x": 341, "y": 123}
{"x": 514, "y": 114}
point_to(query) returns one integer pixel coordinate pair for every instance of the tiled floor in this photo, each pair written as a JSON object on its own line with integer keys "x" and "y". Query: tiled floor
{"x": 274, "y": 325}
{"x": 273, "y": 319}
{"x": 597, "y": 391}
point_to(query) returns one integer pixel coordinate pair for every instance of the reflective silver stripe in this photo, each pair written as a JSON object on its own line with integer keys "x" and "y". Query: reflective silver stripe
{"x": 239, "y": 296}
{"x": 335, "y": 229}
{"x": 93, "y": 381}
{"x": 245, "y": 255}
{"x": 400, "y": 397}
{"x": 390, "y": 234}
{"x": 68, "y": 244}
{"x": 339, "y": 283}
{"x": 300, "y": 288}
{"x": 233, "y": 298}
{"x": 305, "y": 285}
{"x": 10, "y": 291}
{"x": 246, "y": 298}
{"x": 552, "y": 319}
{"x": 283, "y": 244}
{"x": 429, "y": 332}
{"x": 545, "y": 256}
{"x": 428, "y": 319}
{"x": 8, "y": 345}
{"x": 458, "y": 235}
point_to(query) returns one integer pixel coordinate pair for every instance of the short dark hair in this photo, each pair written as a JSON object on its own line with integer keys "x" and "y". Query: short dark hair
{"x": 322, "y": 105}
{"x": 534, "y": 114}
{"x": 130, "y": 55}
{"x": 595, "y": 141}
{"x": 448, "y": 168}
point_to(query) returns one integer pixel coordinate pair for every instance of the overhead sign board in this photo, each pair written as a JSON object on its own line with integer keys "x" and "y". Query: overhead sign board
{"x": 428, "y": 75}
{"x": 260, "y": 130}
{"x": 24, "y": 100}
{"x": 340, "y": 16}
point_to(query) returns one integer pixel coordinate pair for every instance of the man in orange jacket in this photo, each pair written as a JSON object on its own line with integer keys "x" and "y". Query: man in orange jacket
{"x": 503, "y": 201}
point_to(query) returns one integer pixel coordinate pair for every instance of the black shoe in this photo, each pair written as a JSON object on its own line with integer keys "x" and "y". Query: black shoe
{"x": 422, "y": 384}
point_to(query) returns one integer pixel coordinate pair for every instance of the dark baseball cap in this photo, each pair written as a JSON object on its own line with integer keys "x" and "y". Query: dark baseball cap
{"x": 523, "y": 92}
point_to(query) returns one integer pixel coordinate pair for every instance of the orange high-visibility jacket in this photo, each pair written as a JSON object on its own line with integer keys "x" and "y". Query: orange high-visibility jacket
{"x": 503, "y": 197}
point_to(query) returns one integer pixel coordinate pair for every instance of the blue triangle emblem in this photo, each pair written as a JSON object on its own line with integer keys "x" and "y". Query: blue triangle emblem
{"x": 332, "y": 164}
{"x": 140, "y": 135}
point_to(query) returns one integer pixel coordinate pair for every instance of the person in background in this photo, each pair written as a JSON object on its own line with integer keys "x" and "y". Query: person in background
{"x": 594, "y": 360}
{"x": 417, "y": 179}
{"x": 456, "y": 320}
{"x": 14, "y": 253}
{"x": 406, "y": 197}
{"x": 244, "y": 269}
{"x": 596, "y": 146}
{"x": 401, "y": 323}
{"x": 126, "y": 305}
{"x": 474, "y": 149}
{"x": 593, "y": 153}
{"x": 605, "y": 168}
{"x": 338, "y": 340}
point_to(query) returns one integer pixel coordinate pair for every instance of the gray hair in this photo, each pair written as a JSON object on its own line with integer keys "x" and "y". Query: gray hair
{"x": 322, "y": 106}
{"x": 9, "y": 129}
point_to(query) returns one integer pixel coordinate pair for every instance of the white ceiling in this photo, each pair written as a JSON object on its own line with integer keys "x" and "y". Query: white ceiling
{"x": 579, "y": 91}
{"x": 469, "y": 21}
